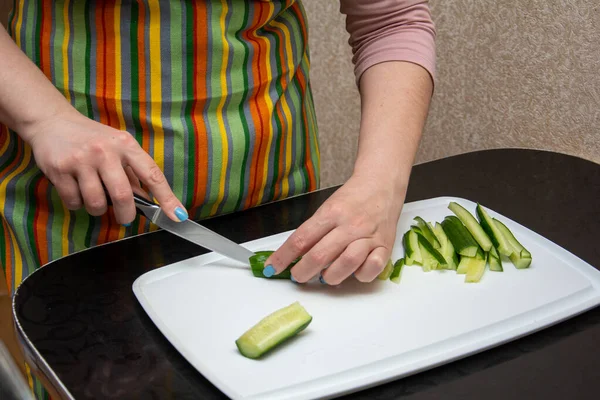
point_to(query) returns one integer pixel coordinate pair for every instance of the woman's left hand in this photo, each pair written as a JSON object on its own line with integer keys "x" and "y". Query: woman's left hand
{"x": 353, "y": 232}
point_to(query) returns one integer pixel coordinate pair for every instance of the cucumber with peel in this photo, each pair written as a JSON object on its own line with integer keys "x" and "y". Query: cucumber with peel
{"x": 494, "y": 260}
{"x": 411, "y": 248}
{"x": 521, "y": 257}
{"x": 432, "y": 259}
{"x": 427, "y": 232}
{"x": 395, "y": 276}
{"x": 496, "y": 236}
{"x": 459, "y": 236}
{"x": 273, "y": 330}
{"x": 466, "y": 263}
{"x": 472, "y": 225}
{"x": 447, "y": 249}
{"x": 387, "y": 271}
{"x": 476, "y": 270}
{"x": 257, "y": 265}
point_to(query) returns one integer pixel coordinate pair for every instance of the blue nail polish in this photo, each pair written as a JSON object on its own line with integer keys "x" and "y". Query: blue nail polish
{"x": 322, "y": 280}
{"x": 268, "y": 271}
{"x": 181, "y": 214}
{"x": 127, "y": 225}
{"x": 293, "y": 279}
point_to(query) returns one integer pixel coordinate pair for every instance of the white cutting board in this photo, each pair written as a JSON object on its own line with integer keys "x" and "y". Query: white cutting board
{"x": 361, "y": 334}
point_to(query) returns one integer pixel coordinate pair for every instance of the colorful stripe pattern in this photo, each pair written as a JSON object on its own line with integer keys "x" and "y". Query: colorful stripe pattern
{"x": 217, "y": 92}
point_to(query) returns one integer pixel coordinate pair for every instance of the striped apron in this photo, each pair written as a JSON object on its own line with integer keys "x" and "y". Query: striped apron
{"x": 217, "y": 92}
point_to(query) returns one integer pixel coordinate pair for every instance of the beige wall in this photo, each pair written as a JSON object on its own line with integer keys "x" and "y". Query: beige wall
{"x": 512, "y": 73}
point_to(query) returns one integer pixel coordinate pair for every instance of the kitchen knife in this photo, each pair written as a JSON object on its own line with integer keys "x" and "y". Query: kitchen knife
{"x": 192, "y": 231}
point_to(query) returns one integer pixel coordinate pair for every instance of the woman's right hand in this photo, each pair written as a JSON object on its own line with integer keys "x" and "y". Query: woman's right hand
{"x": 79, "y": 155}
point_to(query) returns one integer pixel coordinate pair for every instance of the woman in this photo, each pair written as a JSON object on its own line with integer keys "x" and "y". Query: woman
{"x": 206, "y": 105}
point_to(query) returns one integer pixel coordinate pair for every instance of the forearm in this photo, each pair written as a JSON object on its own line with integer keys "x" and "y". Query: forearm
{"x": 26, "y": 95}
{"x": 395, "y": 99}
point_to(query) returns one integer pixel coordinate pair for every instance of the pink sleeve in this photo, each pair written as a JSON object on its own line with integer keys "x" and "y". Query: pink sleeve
{"x": 390, "y": 30}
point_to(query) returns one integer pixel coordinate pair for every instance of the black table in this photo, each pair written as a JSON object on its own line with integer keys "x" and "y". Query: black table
{"x": 82, "y": 327}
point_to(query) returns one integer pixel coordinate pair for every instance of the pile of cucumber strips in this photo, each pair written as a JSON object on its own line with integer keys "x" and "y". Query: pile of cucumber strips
{"x": 462, "y": 243}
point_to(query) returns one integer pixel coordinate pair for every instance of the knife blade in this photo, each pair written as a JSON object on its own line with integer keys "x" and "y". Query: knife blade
{"x": 193, "y": 232}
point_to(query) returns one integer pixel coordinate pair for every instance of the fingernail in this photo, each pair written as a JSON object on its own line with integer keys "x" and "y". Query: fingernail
{"x": 127, "y": 225}
{"x": 322, "y": 280}
{"x": 268, "y": 271}
{"x": 293, "y": 279}
{"x": 181, "y": 214}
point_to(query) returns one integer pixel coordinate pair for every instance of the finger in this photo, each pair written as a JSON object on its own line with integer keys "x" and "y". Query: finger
{"x": 348, "y": 262}
{"x": 119, "y": 188}
{"x": 68, "y": 191}
{"x": 299, "y": 242}
{"x": 321, "y": 255}
{"x": 150, "y": 174}
{"x": 92, "y": 192}
{"x": 136, "y": 186}
{"x": 373, "y": 265}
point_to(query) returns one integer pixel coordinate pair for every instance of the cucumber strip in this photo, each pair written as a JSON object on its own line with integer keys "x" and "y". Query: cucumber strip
{"x": 496, "y": 236}
{"x": 521, "y": 257}
{"x": 432, "y": 259}
{"x": 387, "y": 271}
{"x": 459, "y": 236}
{"x": 273, "y": 330}
{"x": 411, "y": 246}
{"x": 466, "y": 263}
{"x": 395, "y": 276}
{"x": 476, "y": 270}
{"x": 447, "y": 249}
{"x": 472, "y": 225}
{"x": 494, "y": 260}
{"x": 257, "y": 264}
{"x": 427, "y": 232}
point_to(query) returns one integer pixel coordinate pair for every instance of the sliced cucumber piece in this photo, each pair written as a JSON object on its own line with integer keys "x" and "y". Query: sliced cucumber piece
{"x": 273, "y": 330}
{"x": 521, "y": 257}
{"x": 459, "y": 236}
{"x": 447, "y": 249}
{"x": 432, "y": 259}
{"x": 494, "y": 260}
{"x": 476, "y": 269}
{"x": 427, "y": 232}
{"x": 395, "y": 276}
{"x": 257, "y": 264}
{"x": 472, "y": 225}
{"x": 387, "y": 271}
{"x": 466, "y": 263}
{"x": 411, "y": 247}
{"x": 496, "y": 236}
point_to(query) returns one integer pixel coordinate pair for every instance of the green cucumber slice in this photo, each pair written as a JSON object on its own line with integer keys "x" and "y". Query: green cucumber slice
{"x": 432, "y": 259}
{"x": 466, "y": 263}
{"x": 273, "y": 330}
{"x": 395, "y": 276}
{"x": 496, "y": 236}
{"x": 476, "y": 270}
{"x": 447, "y": 249}
{"x": 427, "y": 232}
{"x": 387, "y": 271}
{"x": 459, "y": 236}
{"x": 411, "y": 247}
{"x": 521, "y": 257}
{"x": 472, "y": 225}
{"x": 494, "y": 260}
{"x": 257, "y": 264}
